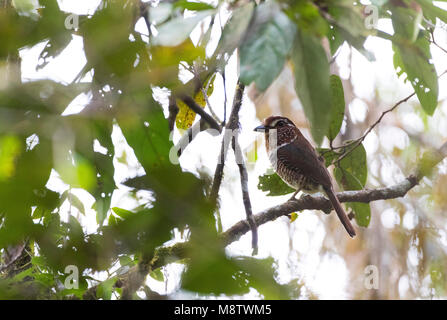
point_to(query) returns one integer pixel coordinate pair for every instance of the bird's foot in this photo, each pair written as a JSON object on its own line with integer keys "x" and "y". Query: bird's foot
{"x": 293, "y": 196}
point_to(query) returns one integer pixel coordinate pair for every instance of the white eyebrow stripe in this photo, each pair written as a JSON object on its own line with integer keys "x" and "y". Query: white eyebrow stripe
{"x": 274, "y": 122}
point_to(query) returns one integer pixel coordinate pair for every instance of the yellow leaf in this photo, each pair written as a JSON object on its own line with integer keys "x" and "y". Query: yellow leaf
{"x": 185, "y": 117}
{"x": 293, "y": 216}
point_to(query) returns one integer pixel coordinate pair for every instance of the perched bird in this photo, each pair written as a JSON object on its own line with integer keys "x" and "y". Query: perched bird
{"x": 297, "y": 162}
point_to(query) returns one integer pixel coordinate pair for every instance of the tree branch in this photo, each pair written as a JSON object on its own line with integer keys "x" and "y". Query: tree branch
{"x": 233, "y": 124}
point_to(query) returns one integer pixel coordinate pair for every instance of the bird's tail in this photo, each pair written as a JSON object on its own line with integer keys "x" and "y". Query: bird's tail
{"x": 340, "y": 211}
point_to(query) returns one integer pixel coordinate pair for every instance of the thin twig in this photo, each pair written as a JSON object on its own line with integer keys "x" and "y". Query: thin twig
{"x": 144, "y": 13}
{"x": 233, "y": 124}
{"x": 173, "y": 111}
{"x": 205, "y": 95}
{"x": 355, "y": 143}
{"x": 358, "y": 141}
{"x": 245, "y": 194}
{"x": 225, "y": 97}
{"x": 434, "y": 41}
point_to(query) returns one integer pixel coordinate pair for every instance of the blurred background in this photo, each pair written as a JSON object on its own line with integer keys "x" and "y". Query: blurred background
{"x": 407, "y": 237}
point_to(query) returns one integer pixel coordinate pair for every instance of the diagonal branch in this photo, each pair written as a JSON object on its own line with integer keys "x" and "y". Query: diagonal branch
{"x": 355, "y": 143}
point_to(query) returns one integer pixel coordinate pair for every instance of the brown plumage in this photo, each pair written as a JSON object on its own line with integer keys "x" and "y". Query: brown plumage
{"x": 297, "y": 162}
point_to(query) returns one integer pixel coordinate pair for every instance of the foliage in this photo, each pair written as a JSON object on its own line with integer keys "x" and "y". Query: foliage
{"x": 37, "y": 141}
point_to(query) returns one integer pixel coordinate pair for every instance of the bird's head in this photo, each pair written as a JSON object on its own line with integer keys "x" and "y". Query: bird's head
{"x": 284, "y": 129}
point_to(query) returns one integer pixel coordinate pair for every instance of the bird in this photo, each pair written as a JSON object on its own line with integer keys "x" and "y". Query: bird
{"x": 298, "y": 164}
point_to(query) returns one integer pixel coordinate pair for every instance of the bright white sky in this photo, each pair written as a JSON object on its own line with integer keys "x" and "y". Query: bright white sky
{"x": 326, "y": 275}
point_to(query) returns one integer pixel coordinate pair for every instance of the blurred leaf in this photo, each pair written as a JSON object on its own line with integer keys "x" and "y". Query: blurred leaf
{"x": 81, "y": 174}
{"x": 105, "y": 289}
{"x": 235, "y": 29}
{"x": 193, "y": 6}
{"x": 43, "y": 96}
{"x": 274, "y": 185}
{"x": 348, "y": 17}
{"x": 108, "y": 48}
{"x": 122, "y": 213}
{"x": 264, "y": 52}
{"x": 406, "y": 22}
{"x": 126, "y": 260}
{"x": 10, "y": 148}
{"x": 307, "y": 17}
{"x": 260, "y": 275}
{"x": 160, "y": 13}
{"x": 177, "y": 30}
{"x": 311, "y": 70}
{"x": 74, "y": 201}
{"x": 157, "y": 274}
{"x": 338, "y": 106}
{"x": 147, "y": 134}
{"x": 431, "y": 9}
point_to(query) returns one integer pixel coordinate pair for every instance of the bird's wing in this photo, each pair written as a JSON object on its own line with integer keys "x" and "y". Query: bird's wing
{"x": 306, "y": 161}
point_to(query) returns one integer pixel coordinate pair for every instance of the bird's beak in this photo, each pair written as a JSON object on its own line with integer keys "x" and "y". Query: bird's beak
{"x": 261, "y": 128}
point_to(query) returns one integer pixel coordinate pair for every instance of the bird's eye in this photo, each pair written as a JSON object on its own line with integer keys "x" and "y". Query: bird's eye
{"x": 280, "y": 123}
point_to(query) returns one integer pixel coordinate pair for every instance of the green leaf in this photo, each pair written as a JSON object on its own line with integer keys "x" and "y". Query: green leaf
{"x": 274, "y": 185}
{"x": 235, "y": 29}
{"x": 177, "y": 30}
{"x": 349, "y": 18}
{"x": 193, "y": 6}
{"x": 105, "y": 289}
{"x": 147, "y": 134}
{"x": 362, "y": 213}
{"x": 338, "y": 106}
{"x": 157, "y": 274}
{"x": 311, "y": 70}
{"x": 414, "y": 60}
{"x": 406, "y": 22}
{"x": 123, "y": 213}
{"x": 263, "y": 54}
{"x": 431, "y": 10}
{"x": 355, "y": 164}
{"x": 351, "y": 174}
{"x": 126, "y": 260}
{"x": 74, "y": 201}
{"x": 328, "y": 155}
{"x": 160, "y": 13}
